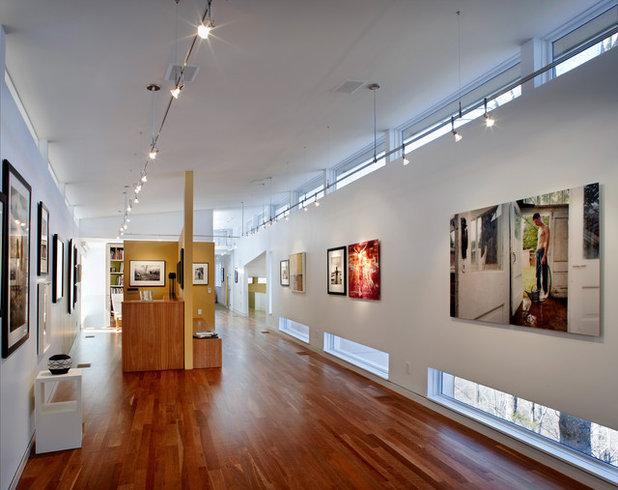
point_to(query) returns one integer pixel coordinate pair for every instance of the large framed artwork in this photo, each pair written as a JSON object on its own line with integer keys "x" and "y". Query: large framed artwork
{"x": 70, "y": 277}
{"x": 200, "y": 273}
{"x": 16, "y": 260}
{"x": 146, "y": 273}
{"x": 297, "y": 272}
{"x": 76, "y": 278}
{"x": 534, "y": 262}
{"x": 336, "y": 270}
{"x": 364, "y": 270}
{"x": 284, "y": 272}
{"x": 58, "y": 270}
{"x": 44, "y": 317}
{"x": 43, "y": 241}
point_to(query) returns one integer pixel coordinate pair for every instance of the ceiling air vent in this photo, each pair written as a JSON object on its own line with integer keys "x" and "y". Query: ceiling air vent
{"x": 174, "y": 70}
{"x": 349, "y": 87}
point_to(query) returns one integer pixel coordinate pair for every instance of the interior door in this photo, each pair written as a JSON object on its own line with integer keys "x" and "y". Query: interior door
{"x": 517, "y": 277}
{"x": 584, "y": 274}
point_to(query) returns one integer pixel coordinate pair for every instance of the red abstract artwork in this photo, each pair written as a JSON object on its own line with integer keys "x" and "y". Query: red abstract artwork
{"x": 364, "y": 270}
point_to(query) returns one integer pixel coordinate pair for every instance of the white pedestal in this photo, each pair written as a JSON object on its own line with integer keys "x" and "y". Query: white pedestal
{"x": 58, "y": 425}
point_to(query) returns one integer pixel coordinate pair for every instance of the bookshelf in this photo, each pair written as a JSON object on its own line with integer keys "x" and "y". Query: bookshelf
{"x": 115, "y": 277}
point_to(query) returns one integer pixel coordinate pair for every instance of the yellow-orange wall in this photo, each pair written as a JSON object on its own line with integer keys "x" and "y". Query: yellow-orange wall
{"x": 204, "y": 295}
{"x": 142, "y": 250}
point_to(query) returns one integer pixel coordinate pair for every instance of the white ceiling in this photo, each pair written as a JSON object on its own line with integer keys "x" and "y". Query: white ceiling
{"x": 263, "y": 103}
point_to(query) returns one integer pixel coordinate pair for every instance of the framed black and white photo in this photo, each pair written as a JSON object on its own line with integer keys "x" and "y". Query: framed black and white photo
{"x": 75, "y": 273}
{"x": 43, "y": 241}
{"x": 284, "y": 272}
{"x": 16, "y": 260}
{"x": 236, "y": 276}
{"x": 44, "y": 317}
{"x": 336, "y": 264}
{"x": 58, "y": 270}
{"x": 180, "y": 268}
{"x": 69, "y": 263}
{"x": 200, "y": 273}
{"x": 146, "y": 273}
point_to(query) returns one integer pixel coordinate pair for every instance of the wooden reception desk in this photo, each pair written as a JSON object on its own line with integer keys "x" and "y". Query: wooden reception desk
{"x": 152, "y": 335}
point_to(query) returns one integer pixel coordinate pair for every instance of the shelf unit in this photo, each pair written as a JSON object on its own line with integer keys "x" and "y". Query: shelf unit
{"x": 115, "y": 276}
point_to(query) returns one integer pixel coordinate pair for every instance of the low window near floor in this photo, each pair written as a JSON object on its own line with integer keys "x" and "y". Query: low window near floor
{"x": 370, "y": 359}
{"x": 294, "y": 329}
{"x": 580, "y": 442}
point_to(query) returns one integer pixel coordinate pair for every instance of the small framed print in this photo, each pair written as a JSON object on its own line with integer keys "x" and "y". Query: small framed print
{"x": 297, "y": 272}
{"x": 284, "y": 272}
{"x": 336, "y": 270}
{"x": 147, "y": 273}
{"x": 58, "y": 270}
{"x": 44, "y": 320}
{"x": 200, "y": 273}
{"x": 43, "y": 241}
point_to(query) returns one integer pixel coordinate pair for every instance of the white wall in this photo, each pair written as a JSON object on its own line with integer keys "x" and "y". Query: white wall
{"x": 17, "y": 372}
{"x": 558, "y": 136}
{"x": 94, "y": 270}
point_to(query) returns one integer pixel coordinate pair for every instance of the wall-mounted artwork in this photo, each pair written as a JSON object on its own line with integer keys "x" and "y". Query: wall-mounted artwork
{"x": 364, "y": 270}
{"x": 297, "y": 273}
{"x": 16, "y": 260}
{"x": 44, "y": 317}
{"x": 200, "y": 273}
{"x": 146, "y": 273}
{"x": 43, "y": 241}
{"x": 236, "y": 275}
{"x": 180, "y": 269}
{"x": 70, "y": 291}
{"x": 58, "y": 270}
{"x": 75, "y": 275}
{"x": 336, "y": 270}
{"x": 532, "y": 262}
{"x": 284, "y": 272}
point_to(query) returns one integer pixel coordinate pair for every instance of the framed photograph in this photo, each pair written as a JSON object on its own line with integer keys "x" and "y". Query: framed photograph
{"x": 75, "y": 275}
{"x": 70, "y": 277}
{"x": 146, "y": 273}
{"x": 534, "y": 262}
{"x": 284, "y": 272}
{"x": 44, "y": 317}
{"x": 58, "y": 270}
{"x": 297, "y": 272}
{"x": 16, "y": 260}
{"x": 43, "y": 241}
{"x": 364, "y": 270}
{"x": 200, "y": 273}
{"x": 336, "y": 270}
{"x": 180, "y": 268}
{"x": 236, "y": 275}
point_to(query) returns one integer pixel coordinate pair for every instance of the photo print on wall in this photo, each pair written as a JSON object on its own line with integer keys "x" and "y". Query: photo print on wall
{"x": 200, "y": 273}
{"x": 16, "y": 260}
{"x": 297, "y": 272}
{"x": 532, "y": 262}
{"x": 336, "y": 271}
{"x": 147, "y": 273}
{"x": 43, "y": 241}
{"x": 284, "y": 272}
{"x": 364, "y": 270}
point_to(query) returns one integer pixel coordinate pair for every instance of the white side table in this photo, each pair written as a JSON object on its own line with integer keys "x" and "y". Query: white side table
{"x": 58, "y": 425}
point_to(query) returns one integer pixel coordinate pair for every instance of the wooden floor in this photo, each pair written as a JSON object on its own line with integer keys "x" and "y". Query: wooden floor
{"x": 275, "y": 416}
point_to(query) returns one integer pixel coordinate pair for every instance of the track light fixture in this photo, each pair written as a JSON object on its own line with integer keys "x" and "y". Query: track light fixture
{"x": 203, "y": 30}
{"x": 457, "y": 136}
{"x": 176, "y": 91}
{"x": 153, "y": 153}
{"x": 135, "y": 200}
{"x": 317, "y": 203}
{"x": 144, "y": 179}
{"x": 489, "y": 121}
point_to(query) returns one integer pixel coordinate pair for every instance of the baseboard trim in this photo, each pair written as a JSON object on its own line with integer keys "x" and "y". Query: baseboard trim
{"x": 22, "y": 464}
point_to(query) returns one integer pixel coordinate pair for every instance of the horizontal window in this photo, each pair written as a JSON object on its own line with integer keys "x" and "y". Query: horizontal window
{"x": 582, "y": 443}
{"x": 294, "y": 329}
{"x": 367, "y": 358}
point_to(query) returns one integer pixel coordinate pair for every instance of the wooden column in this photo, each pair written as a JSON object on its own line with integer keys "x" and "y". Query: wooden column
{"x": 188, "y": 269}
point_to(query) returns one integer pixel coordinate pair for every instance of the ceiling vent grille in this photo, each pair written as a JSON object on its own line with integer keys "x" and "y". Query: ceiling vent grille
{"x": 349, "y": 87}
{"x": 174, "y": 70}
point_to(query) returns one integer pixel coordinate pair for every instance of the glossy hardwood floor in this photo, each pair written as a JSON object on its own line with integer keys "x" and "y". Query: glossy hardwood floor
{"x": 275, "y": 416}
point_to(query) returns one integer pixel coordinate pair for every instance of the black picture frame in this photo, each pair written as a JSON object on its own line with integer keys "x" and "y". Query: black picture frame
{"x": 75, "y": 274}
{"x": 58, "y": 269}
{"x": 16, "y": 225}
{"x": 135, "y": 279}
{"x": 180, "y": 267}
{"x": 284, "y": 273}
{"x": 337, "y": 280}
{"x": 43, "y": 241}
{"x": 70, "y": 276}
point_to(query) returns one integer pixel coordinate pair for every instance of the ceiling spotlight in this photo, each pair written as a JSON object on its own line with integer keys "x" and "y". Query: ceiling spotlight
{"x": 138, "y": 188}
{"x": 144, "y": 178}
{"x": 121, "y": 232}
{"x": 304, "y": 208}
{"x": 204, "y": 30}
{"x": 135, "y": 200}
{"x": 128, "y": 220}
{"x": 489, "y": 121}
{"x": 317, "y": 203}
{"x": 176, "y": 91}
{"x": 457, "y": 136}
{"x": 129, "y": 208}
{"x": 118, "y": 237}
{"x": 286, "y": 218}
{"x": 153, "y": 153}
{"x": 404, "y": 159}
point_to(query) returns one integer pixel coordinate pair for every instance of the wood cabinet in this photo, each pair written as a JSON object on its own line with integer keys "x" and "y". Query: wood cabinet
{"x": 152, "y": 335}
{"x": 206, "y": 353}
